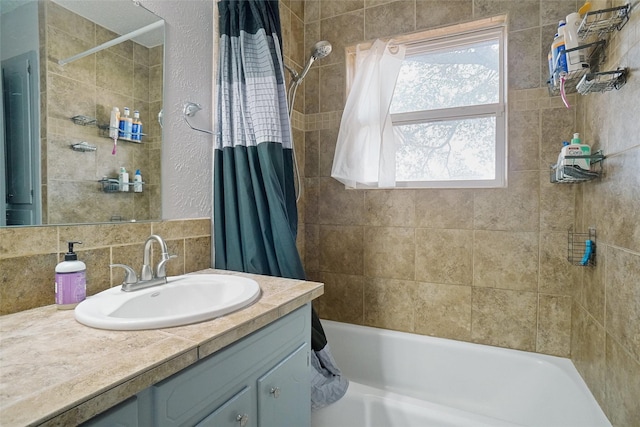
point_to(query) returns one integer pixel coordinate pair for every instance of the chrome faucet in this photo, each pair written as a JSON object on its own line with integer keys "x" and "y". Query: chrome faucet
{"x": 148, "y": 277}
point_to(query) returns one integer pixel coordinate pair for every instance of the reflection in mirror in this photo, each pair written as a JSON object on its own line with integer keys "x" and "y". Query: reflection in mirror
{"x": 44, "y": 180}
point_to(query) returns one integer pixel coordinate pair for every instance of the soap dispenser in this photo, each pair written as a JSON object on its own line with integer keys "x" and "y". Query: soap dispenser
{"x": 71, "y": 282}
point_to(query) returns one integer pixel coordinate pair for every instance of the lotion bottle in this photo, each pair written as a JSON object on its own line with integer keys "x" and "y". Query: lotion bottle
{"x": 137, "y": 182}
{"x": 71, "y": 281}
{"x": 576, "y": 60}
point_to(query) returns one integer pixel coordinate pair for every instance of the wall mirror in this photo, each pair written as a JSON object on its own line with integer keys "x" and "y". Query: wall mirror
{"x": 56, "y": 156}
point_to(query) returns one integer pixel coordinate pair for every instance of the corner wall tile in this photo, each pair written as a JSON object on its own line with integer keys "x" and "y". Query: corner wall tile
{"x": 623, "y": 387}
{"x": 343, "y": 299}
{"x": 554, "y": 325}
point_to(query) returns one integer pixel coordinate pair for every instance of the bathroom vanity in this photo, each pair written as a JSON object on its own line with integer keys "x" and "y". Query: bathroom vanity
{"x": 249, "y": 368}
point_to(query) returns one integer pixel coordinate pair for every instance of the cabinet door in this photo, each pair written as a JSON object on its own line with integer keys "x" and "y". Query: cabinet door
{"x": 235, "y": 412}
{"x": 284, "y": 392}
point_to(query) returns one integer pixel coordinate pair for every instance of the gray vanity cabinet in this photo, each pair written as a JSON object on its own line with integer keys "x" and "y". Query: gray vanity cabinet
{"x": 261, "y": 380}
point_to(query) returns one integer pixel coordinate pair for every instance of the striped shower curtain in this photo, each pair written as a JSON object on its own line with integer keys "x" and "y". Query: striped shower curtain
{"x": 255, "y": 213}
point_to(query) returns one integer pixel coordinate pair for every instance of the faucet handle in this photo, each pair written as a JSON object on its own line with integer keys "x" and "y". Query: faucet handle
{"x": 130, "y": 276}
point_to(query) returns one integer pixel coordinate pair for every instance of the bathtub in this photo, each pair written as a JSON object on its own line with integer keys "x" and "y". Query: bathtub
{"x": 407, "y": 380}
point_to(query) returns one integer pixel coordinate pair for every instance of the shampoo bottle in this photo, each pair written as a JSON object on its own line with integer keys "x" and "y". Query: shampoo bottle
{"x": 71, "y": 282}
{"x": 136, "y": 128}
{"x": 559, "y": 57}
{"x": 576, "y": 60}
{"x": 123, "y": 179}
{"x": 125, "y": 126}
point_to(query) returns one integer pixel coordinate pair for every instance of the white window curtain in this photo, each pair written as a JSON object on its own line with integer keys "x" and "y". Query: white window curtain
{"x": 365, "y": 151}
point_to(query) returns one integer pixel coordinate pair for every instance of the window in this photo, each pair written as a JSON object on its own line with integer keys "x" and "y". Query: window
{"x": 448, "y": 108}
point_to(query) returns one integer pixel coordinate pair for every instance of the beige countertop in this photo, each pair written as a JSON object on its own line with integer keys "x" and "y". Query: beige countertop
{"x": 56, "y": 371}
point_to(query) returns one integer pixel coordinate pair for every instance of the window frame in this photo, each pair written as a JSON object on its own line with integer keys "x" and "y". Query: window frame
{"x": 446, "y": 38}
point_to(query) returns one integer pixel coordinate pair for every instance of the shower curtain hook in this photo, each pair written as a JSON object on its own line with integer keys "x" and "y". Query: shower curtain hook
{"x": 190, "y": 109}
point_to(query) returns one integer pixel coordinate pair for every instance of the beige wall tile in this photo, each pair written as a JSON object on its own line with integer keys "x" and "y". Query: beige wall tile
{"x": 312, "y": 153}
{"x": 623, "y": 387}
{"x": 98, "y": 235}
{"x": 390, "y": 19}
{"x": 524, "y": 140}
{"x": 506, "y": 260}
{"x": 554, "y": 325}
{"x": 389, "y": 303}
{"x": 341, "y": 31}
{"x": 332, "y": 88}
{"x": 337, "y": 206}
{"x": 341, "y": 249}
{"x": 389, "y": 252}
{"x": 588, "y": 350}
{"x": 524, "y": 63}
{"x": 443, "y": 311}
{"x": 436, "y": 13}
{"x": 623, "y": 299}
{"x": 97, "y": 262}
{"x": 557, "y": 124}
{"x": 197, "y": 254}
{"x": 514, "y": 208}
{"x": 557, "y": 275}
{"x": 522, "y": 14}
{"x": 444, "y": 209}
{"x": 312, "y": 242}
{"x": 27, "y": 282}
{"x": 444, "y": 256}
{"x": 343, "y": 298}
{"x": 504, "y": 318}
{"x": 592, "y": 295}
{"x": 557, "y": 203}
{"x": 390, "y": 208}
{"x": 15, "y": 242}
{"x": 337, "y": 7}
{"x": 328, "y": 138}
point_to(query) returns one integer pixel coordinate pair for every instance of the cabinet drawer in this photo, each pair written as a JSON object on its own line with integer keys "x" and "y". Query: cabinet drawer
{"x": 284, "y": 392}
{"x": 235, "y": 412}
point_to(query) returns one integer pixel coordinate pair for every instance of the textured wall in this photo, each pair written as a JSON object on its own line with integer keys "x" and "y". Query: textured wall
{"x": 187, "y": 154}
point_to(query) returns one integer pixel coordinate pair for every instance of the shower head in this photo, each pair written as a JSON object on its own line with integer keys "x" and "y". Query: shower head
{"x": 320, "y": 50}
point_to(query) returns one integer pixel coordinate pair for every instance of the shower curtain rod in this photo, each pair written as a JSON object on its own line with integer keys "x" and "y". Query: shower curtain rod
{"x": 113, "y": 42}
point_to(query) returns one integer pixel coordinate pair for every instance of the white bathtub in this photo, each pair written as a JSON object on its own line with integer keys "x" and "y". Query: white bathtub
{"x": 407, "y": 380}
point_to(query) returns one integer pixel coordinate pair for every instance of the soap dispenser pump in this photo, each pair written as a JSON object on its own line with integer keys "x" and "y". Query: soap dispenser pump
{"x": 71, "y": 282}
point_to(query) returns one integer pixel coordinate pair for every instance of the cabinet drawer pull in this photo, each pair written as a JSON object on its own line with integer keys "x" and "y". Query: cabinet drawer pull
{"x": 275, "y": 391}
{"x": 243, "y": 419}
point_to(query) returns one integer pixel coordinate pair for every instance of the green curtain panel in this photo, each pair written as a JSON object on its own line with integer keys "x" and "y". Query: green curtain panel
{"x": 255, "y": 213}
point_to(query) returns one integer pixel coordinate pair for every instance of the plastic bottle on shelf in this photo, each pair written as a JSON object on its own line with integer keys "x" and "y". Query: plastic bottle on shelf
{"x": 136, "y": 128}
{"x": 137, "y": 182}
{"x": 576, "y": 148}
{"x": 576, "y": 60}
{"x": 114, "y": 123}
{"x": 559, "y": 57}
{"x": 123, "y": 179}
{"x": 126, "y": 124}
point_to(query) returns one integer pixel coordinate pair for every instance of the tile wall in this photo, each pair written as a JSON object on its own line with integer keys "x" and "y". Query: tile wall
{"x": 127, "y": 74}
{"x": 28, "y": 256}
{"x": 487, "y": 265}
{"x": 605, "y": 342}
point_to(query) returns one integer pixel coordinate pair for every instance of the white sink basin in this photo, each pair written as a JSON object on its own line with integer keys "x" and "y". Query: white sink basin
{"x": 182, "y": 300}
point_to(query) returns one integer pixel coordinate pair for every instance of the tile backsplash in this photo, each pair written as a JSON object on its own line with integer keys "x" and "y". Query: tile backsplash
{"x": 28, "y": 255}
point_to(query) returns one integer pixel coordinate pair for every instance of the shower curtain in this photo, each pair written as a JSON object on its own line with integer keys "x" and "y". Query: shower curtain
{"x": 255, "y": 212}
